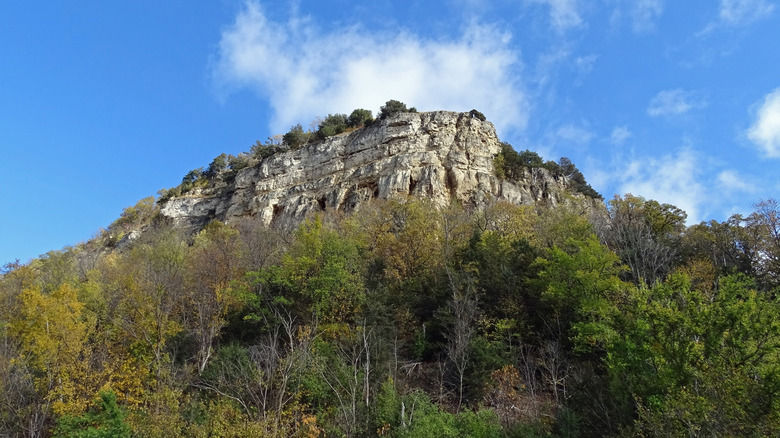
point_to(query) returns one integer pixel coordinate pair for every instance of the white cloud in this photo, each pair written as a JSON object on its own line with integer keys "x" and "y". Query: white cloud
{"x": 585, "y": 63}
{"x": 305, "y": 72}
{"x": 645, "y": 13}
{"x": 573, "y": 134}
{"x": 738, "y": 13}
{"x": 619, "y": 135}
{"x": 564, "y": 14}
{"x": 743, "y": 12}
{"x": 671, "y": 179}
{"x": 642, "y": 14}
{"x": 674, "y": 102}
{"x": 731, "y": 181}
{"x": 765, "y": 131}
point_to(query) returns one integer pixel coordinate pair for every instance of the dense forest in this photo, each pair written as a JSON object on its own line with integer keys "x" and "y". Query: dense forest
{"x": 402, "y": 320}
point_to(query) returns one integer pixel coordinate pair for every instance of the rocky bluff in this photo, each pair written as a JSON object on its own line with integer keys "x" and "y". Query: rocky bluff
{"x": 437, "y": 155}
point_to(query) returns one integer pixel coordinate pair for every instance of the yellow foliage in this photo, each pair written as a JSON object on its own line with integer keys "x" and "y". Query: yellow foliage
{"x": 509, "y": 221}
{"x": 406, "y": 234}
{"x": 55, "y": 331}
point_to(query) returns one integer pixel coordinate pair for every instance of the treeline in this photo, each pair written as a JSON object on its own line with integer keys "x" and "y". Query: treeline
{"x": 403, "y": 320}
{"x": 512, "y": 165}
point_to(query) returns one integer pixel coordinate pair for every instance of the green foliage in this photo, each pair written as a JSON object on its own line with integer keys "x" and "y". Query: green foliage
{"x": 349, "y": 327}
{"x": 133, "y": 217}
{"x": 261, "y": 151}
{"x": 422, "y": 419}
{"x": 477, "y": 115}
{"x": 510, "y": 164}
{"x": 570, "y": 171}
{"x": 105, "y": 420}
{"x": 581, "y": 286}
{"x": 393, "y": 107}
{"x": 217, "y": 166}
{"x": 359, "y": 118}
{"x": 238, "y": 162}
{"x": 332, "y": 125}
{"x": 322, "y": 274}
{"x": 295, "y": 138}
{"x": 192, "y": 176}
{"x": 699, "y": 361}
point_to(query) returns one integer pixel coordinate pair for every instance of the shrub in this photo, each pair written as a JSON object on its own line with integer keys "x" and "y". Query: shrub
{"x": 105, "y": 419}
{"x": 570, "y": 171}
{"x": 192, "y": 176}
{"x": 218, "y": 164}
{"x": 332, "y": 125}
{"x": 359, "y": 118}
{"x": 477, "y": 115}
{"x": 509, "y": 164}
{"x": 393, "y": 107}
{"x": 296, "y": 137}
{"x": 238, "y": 162}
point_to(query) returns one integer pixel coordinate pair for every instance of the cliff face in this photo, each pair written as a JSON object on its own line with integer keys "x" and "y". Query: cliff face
{"x": 437, "y": 155}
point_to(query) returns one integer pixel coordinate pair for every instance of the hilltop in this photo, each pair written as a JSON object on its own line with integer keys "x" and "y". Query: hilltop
{"x": 441, "y": 156}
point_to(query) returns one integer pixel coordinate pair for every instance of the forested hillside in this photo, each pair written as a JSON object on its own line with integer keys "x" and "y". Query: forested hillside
{"x": 403, "y": 320}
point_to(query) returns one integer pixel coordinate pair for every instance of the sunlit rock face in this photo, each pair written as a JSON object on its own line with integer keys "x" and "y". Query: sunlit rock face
{"x": 437, "y": 155}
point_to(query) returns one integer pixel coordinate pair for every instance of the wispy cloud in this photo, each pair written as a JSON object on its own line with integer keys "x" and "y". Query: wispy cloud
{"x": 670, "y": 179}
{"x": 732, "y": 181}
{"x": 645, "y": 13}
{"x": 306, "y": 72}
{"x": 642, "y": 14}
{"x": 573, "y": 134}
{"x": 619, "y": 135}
{"x": 743, "y": 12}
{"x": 738, "y": 13}
{"x": 564, "y": 14}
{"x": 674, "y": 102}
{"x": 585, "y": 64}
{"x": 765, "y": 131}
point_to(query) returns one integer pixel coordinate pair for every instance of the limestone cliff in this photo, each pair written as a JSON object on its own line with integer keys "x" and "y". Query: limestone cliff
{"x": 437, "y": 155}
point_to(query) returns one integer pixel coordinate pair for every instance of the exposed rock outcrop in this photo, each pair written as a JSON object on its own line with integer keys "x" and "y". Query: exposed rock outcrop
{"x": 437, "y": 155}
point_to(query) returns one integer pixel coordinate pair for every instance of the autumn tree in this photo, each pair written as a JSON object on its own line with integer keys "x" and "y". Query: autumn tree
{"x": 645, "y": 235}
{"x": 215, "y": 260}
{"x": 54, "y": 331}
{"x": 152, "y": 298}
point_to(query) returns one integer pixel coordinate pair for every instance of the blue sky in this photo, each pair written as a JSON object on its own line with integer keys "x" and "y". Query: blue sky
{"x": 105, "y": 103}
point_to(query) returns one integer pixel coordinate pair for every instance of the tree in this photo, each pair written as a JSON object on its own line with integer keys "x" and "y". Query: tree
{"x": 321, "y": 274}
{"x": 192, "y": 176}
{"x": 217, "y": 166}
{"x": 570, "y": 171}
{"x": 332, "y": 125}
{"x": 463, "y": 312}
{"x": 477, "y": 115}
{"x": 359, "y": 118}
{"x": 391, "y": 108}
{"x": 54, "y": 331}
{"x": 698, "y": 361}
{"x": 296, "y": 137}
{"x": 645, "y": 235}
{"x": 152, "y": 295}
{"x": 764, "y": 223}
{"x": 139, "y": 214}
{"x": 215, "y": 260}
{"x": 105, "y": 420}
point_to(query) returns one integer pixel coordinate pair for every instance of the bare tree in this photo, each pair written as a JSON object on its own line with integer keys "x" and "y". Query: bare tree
{"x": 463, "y": 311}
{"x": 554, "y": 362}
{"x": 644, "y": 235}
{"x": 347, "y": 374}
{"x": 766, "y": 224}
